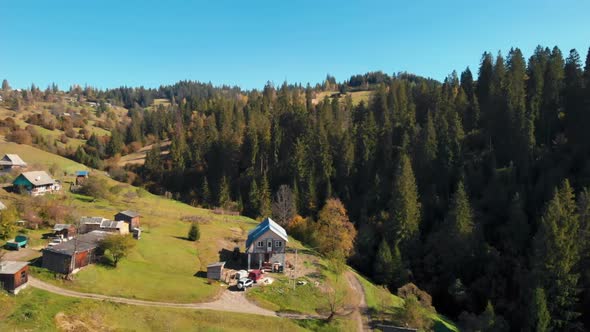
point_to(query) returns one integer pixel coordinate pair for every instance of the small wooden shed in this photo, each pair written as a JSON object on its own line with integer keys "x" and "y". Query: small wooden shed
{"x": 215, "y": 270}
{"x": 14, "y": 276}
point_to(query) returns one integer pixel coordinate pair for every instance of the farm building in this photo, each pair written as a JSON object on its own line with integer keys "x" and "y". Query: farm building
{"x": 89, "y": 224}
{"x": 215, "y": 270}
{"x": 132, "y": 218}
{"x": 14, "y": 275}
{"x": 36, "y": 183}
{"x": 266, "y": 244}
{"x": 11, "y": 161}
{"x": 83, "y": 249}
{"x": 81, "y": 176}
{"x": 65, "y": 230}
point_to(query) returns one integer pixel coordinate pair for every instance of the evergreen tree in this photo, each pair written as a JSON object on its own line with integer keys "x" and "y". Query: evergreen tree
{"x": 178, "y": 151}
{"x": 538, "y": 315}
{"x": 383, "y": 267}
{"x": 194, "y": 233}
{"x": 404, "y": 226}
{"x": 205, "y": 192}
{"x": 224, "y": 197}
{"x": 115, "y": 144}
{"x": 265, "y": 198}
{"x": 556, "y": 254}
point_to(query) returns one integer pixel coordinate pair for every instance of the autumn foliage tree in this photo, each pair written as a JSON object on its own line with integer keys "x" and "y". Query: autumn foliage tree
{"x": 335, "y": 234}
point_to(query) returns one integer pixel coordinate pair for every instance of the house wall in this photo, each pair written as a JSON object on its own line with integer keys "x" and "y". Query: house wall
{"x": 133, "y": 222}
{"x": 265, "y": 237}
{"x": 56, "y": 262}
{"x": 214, "y": 273}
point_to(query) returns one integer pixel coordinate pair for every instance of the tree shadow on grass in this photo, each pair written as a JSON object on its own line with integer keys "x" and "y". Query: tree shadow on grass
{"x": 201, "y": 274}
{"x": 182, "y": 238}
{"x": 233, "y": 260}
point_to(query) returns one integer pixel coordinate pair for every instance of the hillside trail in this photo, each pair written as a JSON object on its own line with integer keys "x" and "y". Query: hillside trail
{"x": 228, "y": 301}
{"x": 360, "y": 313}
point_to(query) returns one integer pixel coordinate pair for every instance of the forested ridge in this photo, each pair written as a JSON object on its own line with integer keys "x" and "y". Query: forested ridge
{"x": 476, "y": 189}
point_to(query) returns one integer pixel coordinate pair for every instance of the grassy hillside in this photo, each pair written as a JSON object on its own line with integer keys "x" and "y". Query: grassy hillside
{"x": 36, "y": 310}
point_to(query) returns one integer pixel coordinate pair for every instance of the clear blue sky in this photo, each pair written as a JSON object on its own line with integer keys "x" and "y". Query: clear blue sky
{"x": 246, "y": 43}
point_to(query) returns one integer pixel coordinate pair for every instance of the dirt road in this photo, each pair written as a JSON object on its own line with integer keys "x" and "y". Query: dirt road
{"x": 360, "y": 313}
{"x": 229, "y": 301}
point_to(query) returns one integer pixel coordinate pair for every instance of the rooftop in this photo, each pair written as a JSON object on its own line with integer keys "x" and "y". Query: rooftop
{"x": 216, "y": 264}
{"x": 91, "y": 220}
{"x": 12, "y": 160}
{"x": 11, "y": 267}
{"x": 81, "y": 243}
{"x": 38, "y": 178}
{"x": 61, "y": 227}
{"x": 129, "y": 213}
{"x": 263, "y": 227}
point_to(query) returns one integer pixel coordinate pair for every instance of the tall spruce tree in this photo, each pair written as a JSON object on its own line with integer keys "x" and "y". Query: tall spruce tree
{"x": 538, "y": 319}
{"x": 556, "y": 255}
{"x": 404, "y": 226}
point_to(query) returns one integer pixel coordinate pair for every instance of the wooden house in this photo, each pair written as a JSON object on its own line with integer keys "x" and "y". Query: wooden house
{"x": 70, "y": 256}
{"x": 36, "y": 183}
{"x": 215, "y": 270}
{"x": 11, "y": 161}
{"x": 266, "y": 245}
{"x": 130, "y": 217}
{"x": 14, "y": 276}
{"x": 81, "y": 176}
{"x": 64, "y": 230}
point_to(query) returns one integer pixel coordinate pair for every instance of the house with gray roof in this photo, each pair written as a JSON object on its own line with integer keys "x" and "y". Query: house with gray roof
{"x": 69, "y": 257}
{"x": 11, "y": 161}
{"x": 36, "y": 183}
{"x": 14, "y": 275}
{"x": 266, "y": 245}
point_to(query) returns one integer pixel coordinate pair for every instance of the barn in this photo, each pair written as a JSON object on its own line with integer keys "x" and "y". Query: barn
{"x": 132, "y": 218}
{"x": 215, "y": 270}
{"x": 14, "y": 276}
{"x": 64, "y": 230}
{"x": 11, "y": 161}
{"x": 69, "y": 257}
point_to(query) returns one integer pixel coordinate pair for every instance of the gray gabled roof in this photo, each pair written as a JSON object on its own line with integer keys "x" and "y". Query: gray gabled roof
{"x": 91, "y": 220}
{"x": 81, "y": 243}
{"x": 216, "y": 264}
{"x": 129, "y": 213}
{"x": 11, "y": 267}
{"x": 12, "y": 160}
{"x": 38, "y": 178}
{"x": 266, "y": 225}
{"x": 60, "y": 227}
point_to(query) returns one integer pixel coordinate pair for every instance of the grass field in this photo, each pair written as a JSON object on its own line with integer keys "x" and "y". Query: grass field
{"x": 36, "y": 310}
{"x": 357, "y": 96}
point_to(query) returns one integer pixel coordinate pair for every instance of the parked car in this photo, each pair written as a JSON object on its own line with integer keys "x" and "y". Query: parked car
{"x": 56, "y": 241}
{"x": 255, "y": 275}
{"x": 245, "y": 283}
{"x": 20, "y": 241}
{"x": 241, "y": 274}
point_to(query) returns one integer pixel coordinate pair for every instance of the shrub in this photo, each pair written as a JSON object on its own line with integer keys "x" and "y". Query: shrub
{"x": 20, "y": 136}
{"x": 95, "y": 187}
{"x": 118, "y": 246}
{"x": 410, "y": 290}
{"x": 194, "y": 234}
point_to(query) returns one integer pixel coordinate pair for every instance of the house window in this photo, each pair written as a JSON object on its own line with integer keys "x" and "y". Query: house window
{"x": 260, "y": 244}
{"x": 278, "y": 244}
{"x": 270, "y": 244}
{"x": 23, "y": 275}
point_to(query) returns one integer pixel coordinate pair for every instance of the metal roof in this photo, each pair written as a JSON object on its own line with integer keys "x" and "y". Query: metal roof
{"x": 11, "y": 267}
{"x": 82, "y": 173}
{"x": 263, "y": 227}
{"x": 216, "y": 264}
{"x": 129, "y": 213}
{"x": 12, "y": 160}
{"x": 80, "y": 243}
{"x": 38, "y": 178}
{"x": 91, "y": 220}
{"x": 61, "y": 227}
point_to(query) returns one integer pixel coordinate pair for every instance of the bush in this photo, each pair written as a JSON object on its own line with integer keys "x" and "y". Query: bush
{"x": 194, "y": 234}
{"x": 94, "y": 187}
{"x": 118, "y": 246}
{"x": 410, "y": 290}
{"x": 20, "y": 136}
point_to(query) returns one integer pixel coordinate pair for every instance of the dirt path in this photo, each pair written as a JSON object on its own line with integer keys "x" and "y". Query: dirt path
{"x": 360, "y": 313}
{"x": 229, "y": 301}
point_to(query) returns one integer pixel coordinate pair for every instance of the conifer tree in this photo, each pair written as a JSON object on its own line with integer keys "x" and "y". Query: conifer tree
{"x": 253, "y": 200}
{"x": 383, "y": 266}
{"x": 556, "y": 254}
{"x": 404, "y": 226}
{"x": 224, "y": 193}
{"x": 538, "y": 319}
{"x": 194, "y": 234}
{"x": 205, "y": 192}
{"x": 265, "y": 198}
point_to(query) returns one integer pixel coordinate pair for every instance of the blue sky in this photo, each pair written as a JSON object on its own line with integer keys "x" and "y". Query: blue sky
{"x": 112, "y": 43}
